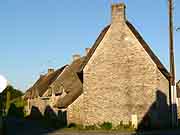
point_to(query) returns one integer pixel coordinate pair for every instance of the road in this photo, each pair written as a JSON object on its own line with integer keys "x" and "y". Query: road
{"x": 15, "y": 127}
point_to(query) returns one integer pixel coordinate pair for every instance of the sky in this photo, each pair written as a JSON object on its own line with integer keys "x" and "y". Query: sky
{"x": 38, "y": 34}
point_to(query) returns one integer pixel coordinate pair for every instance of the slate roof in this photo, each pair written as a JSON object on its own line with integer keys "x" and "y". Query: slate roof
{"x": 156, "y": 60}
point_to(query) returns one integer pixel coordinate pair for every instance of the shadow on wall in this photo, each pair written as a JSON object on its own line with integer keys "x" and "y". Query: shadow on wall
{"x": 158, "y": 115}
{"x": 35, "y": 123}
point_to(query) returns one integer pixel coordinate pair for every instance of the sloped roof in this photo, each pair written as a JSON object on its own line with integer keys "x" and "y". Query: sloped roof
{"x": 75, "y": 66}
{"x": 72, "y": 86}
{"x": 93, "y": 49}
{"x": 160, "y": 66}
{"x": 42, "y": 84}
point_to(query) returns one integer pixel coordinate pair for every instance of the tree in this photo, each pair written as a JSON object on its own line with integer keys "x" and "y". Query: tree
{"x": 7, "y": 96}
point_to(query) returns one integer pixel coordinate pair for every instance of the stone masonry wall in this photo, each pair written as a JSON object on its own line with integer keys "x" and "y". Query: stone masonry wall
{"x": 121, "y": 80}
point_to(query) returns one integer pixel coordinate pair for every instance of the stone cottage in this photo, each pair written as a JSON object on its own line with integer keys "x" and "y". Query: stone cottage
{"x": 119, "y": 79}
{"x": 63, "y": 84}
{"x": 122, "y": 78}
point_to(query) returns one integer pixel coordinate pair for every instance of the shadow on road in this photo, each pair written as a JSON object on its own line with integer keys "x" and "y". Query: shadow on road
{"x": 35, "y": 123}
{"x": 157, "y": 117}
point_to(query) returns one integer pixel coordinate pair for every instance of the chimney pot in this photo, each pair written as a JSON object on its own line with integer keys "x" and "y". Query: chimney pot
{"x": 87, "y": 50}
{"x": 76, "y": 57}
{"x": 50, "y": 70}
{"x": 41, "y": 75}
{"x": 118, "y": 12}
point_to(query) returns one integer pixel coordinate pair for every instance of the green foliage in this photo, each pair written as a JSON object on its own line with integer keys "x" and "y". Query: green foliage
{"x": 72, "y": 125}
{"x": 106, "y": 126}
{"x": 14, "y": 92}
{"x": 15, "y": 112}
{"x": 91, "y": 127}
{"x": 19, "y": 102}
{"x": 8, "y": 96}
{"x": 126, "y": 127}
{"x": 75, "y": 126}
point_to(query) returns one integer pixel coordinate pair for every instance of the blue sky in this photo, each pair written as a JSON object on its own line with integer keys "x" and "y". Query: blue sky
{"x": 37, "y": 34}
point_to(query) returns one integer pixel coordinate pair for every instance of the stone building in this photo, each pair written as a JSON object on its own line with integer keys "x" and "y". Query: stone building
{"x": 119, "y": 79}
{"x": 122, "y": 78}
{"x": 55, "y": 85}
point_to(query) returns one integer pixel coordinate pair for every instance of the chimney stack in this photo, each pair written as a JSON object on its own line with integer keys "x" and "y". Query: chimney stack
{"x": 76, "y": 57}
{"x": 50, "y": 70}
{"x": 118, "y": 13}
{"x": 41, "y": 75}
{"x": 87, "y": 50}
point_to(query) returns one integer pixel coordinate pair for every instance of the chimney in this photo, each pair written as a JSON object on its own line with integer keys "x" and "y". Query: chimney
{"x": 50, "y": 70}
{"x": 76, "y": 57}
{"x": 87, "y": 50}
{"x": 41, "y": 75}
{"x": 118, "y": 13}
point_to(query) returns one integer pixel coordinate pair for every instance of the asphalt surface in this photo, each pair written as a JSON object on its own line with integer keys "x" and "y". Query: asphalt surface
{"x": 19, "y": 127}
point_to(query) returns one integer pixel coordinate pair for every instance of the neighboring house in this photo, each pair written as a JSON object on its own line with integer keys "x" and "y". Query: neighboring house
{"x": 55, "y": 85}
{"x": 119, "y": 79}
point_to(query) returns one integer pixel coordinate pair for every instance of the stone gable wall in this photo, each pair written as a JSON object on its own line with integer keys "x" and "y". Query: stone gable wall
{"x": 120, "y": 81}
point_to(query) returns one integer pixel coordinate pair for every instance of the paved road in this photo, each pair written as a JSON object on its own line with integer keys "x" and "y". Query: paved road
{"x": 16, "y": 127}
{"x": 97, "y": 133}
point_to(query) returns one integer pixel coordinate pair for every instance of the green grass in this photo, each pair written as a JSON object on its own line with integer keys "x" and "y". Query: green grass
{"x": 104, "y": 127}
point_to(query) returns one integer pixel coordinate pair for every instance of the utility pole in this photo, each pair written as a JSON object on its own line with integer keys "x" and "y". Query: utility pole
{"x": 172, "y": 66}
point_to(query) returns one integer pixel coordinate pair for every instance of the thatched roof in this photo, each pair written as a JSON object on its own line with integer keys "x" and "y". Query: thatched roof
{"x": 76, "y": 64}
{"x": 158, "y": 63}
{"x": 65, "y": 78}
{"x": 42, "y": 84}
{"x": 72, "y": 87}
{"x": 93, "y": 49}
{"x": 146, "y": 47}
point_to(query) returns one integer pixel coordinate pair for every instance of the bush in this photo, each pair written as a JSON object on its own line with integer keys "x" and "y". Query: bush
{"x": 122, "y": 126}
{"x": 106, "y": 125}
{"x": 75, "y": 126}
{"x": 103, "y": 126}
{"x": 91, "y": 127}
{"x": 72, "y": 125}
{"x": 15, "y": 112}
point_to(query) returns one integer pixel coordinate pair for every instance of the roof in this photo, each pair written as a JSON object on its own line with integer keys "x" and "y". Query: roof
{"x": 42, "y": 84}
{"x": 72, "y": 87}
{"x": 76, "y": 64}
{"x": 65, "y": 77}
{"x": 158, "y": 63}
{"x": 93, "y": 49}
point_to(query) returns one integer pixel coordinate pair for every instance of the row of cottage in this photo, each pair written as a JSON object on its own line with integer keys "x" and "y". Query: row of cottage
{"x": 119, "y": 79}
